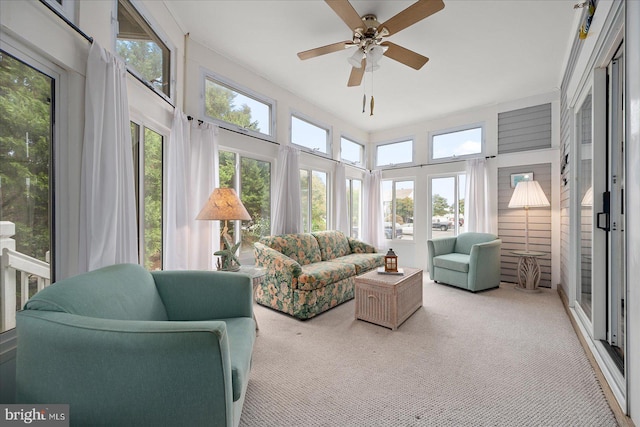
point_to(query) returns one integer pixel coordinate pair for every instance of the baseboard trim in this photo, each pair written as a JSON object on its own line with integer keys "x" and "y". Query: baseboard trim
{"x": 623, "y": 420}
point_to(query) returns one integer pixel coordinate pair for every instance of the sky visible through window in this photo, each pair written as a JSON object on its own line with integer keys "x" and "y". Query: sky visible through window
{"x": 460, "y": 143}
{"x": 308, "y": 135}
{"x": 259, "y": 112}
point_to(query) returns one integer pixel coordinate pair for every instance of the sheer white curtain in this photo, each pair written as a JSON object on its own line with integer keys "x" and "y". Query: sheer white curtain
{"x": 372, "y": 226}
{"x": 342, "y": 204}
{"x": 286, "y": 214}
{"x": 108, "y": 227}
{"x": 191, "y": 176}
{"x": 476, "y": 206}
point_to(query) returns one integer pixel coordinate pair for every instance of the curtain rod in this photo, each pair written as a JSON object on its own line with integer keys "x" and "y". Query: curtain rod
{"x": 433, "y": 164}
{"x": 90, "y": 40}
{"x": 200, "y": 121}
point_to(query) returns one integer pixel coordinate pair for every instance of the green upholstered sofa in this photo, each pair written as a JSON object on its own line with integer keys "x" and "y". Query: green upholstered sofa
{"x": 125, "y": 347}
{"x": 308, "y": 273}
{"x": 470, "y": 260}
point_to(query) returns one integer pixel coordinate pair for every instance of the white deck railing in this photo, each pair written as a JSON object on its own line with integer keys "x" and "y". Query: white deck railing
{"x": 14, "y": 265}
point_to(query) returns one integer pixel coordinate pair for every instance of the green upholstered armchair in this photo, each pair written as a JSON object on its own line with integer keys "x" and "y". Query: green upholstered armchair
{"x": 123, "y": 346}
{"x": 470, "y": 260}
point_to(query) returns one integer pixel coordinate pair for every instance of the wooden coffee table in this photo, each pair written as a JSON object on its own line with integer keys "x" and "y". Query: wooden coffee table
{"x": 388, "y": 300}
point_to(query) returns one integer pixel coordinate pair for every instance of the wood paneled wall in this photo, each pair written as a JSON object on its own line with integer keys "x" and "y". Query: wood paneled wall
{"x": 524, "y": 129}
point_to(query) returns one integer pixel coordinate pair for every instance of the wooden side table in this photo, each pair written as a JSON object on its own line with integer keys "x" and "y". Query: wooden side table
{"x": 528, "y": 270}
{"x": 388, "y": 300}
{"x": 257, "y": 276}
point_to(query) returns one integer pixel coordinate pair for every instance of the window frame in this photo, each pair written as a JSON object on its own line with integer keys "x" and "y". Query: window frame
{"x": 244, "y": 91}
{"x": 161, "y": 35}
{"x": 462, "y": 128}
{"x": 309, "y": 120}
{"x": 396, "y": 165}
{"x": 239, "y": 155}
{"x": 328, "y": 193}
{"x": 363, "y": 151}
{"x": 350, "y": 199}
{"x": 394, "y": 190}
{"x": 143, "y": 123}
{"x": 456, "y": 176}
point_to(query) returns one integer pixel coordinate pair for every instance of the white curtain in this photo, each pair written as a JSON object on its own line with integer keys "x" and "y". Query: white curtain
{"x": 286, "y": 214}
{"x": 191, "y": 175}
{"x": 476, "y": 206}
{"x": 108, "y": 227}
{"x": 342, "y": 204}
{"x": 372, "y": 224}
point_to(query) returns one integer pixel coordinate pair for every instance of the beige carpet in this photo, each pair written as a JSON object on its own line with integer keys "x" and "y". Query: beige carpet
{"x": 496, "y": 358}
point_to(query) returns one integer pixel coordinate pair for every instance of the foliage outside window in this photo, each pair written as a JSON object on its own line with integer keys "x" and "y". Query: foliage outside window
{"x": 25, "y": 156}
{"x": 313, "y": 187}
{"x": 310, "y": 136}
{"x": 351, "y": 151}
{"x": 397, "y": 205}
{"x": 228, "y": 104}
{"x": 395, "y": 153}
{"x": 456, "y": 144}
{"x": 254, "y": 182}
{"x": 447, "y": 205}
{"x": 354, "y": 200}
{"x": 147, "y": 145}
{"x": 141, "y": 48}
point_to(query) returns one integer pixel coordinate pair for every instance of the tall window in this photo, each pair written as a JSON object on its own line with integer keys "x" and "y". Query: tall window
{"x": 395, "y": 153}
{"x": 447, "y": 205}
{"x": 351, "y": 151}
{"x": 226, "y": 103}
{"x": 26, "y": 141}
{"x": 584, "y": 122}
{"x": 313, "y": 187}
{"x": 141, "y": 48}
{"x": 311, "y": 136}
{"x": 456, "y": 143}
{"x": 397, "y": 203}
{"x": 354, "y": 200}
{"x": 253, "y": 184}
{"x": 147, "y": 153}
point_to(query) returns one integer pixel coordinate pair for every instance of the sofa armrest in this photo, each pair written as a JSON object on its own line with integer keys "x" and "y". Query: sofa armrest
{"x": 484, "y": 263}
{"x": 120, "y": 372}
{"x": 280, "y": 268}
{"x": 204, "y": 295}
{"x": 360, "y": 247}
{"x": 438, "y": 246}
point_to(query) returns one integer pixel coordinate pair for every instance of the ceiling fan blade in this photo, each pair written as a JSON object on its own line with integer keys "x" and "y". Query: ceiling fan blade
{"x": 404, "y": 55}
{"x": 346, "y": 12}
{"x": 330, "y": 48}
{"x": 414, "y": 13}
{"x": 355, "y": 78}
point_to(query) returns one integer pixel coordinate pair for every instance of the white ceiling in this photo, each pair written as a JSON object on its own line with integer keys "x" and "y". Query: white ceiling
{"x": 481, "y": 53}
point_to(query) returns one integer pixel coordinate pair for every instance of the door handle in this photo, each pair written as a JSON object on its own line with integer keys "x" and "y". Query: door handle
{"x": 603, "y": 221}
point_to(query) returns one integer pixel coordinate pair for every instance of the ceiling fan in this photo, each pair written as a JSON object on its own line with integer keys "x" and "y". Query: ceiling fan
{"x": 369, "y": 34}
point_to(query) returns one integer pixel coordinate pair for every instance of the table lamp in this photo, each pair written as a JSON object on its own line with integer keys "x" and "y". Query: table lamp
{"x": 224, "y": 205}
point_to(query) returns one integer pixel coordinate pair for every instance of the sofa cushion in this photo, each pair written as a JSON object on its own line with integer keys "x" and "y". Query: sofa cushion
{"x": 121, "y": 292}
{"x": 465, "y": 241}
{"x": 453, "y": 261}
{"x": 240, "y": 331}
{"x": 302, "y": 247}
{"x": 333, "y": 244}
{"x": 362, "y": 262}
{"x": 320, "y": 274}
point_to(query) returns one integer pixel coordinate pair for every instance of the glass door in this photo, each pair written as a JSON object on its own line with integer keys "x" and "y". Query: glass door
{"x": 616, "y": 279}
{"x": 447, "y": 205}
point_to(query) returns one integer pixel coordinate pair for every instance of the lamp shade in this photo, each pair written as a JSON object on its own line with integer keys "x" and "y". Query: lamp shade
{"x": 528, "y": 194}
{"x": 356, "y": 59}
{"x": 224, "y": 204}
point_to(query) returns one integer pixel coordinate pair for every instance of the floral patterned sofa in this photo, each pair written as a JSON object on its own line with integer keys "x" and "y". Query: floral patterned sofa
{"x": 308, "y": 273}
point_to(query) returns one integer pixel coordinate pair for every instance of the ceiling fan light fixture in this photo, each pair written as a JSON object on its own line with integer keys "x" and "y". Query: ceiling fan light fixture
{"x": 356, "y": 59}
{"x": 372, "y": 66}
{"x": 374, "y": 54}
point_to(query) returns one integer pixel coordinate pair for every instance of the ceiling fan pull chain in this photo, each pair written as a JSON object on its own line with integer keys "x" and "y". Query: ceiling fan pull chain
{"x": 364, "y": 101}
{"x": 371, "y": 108}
